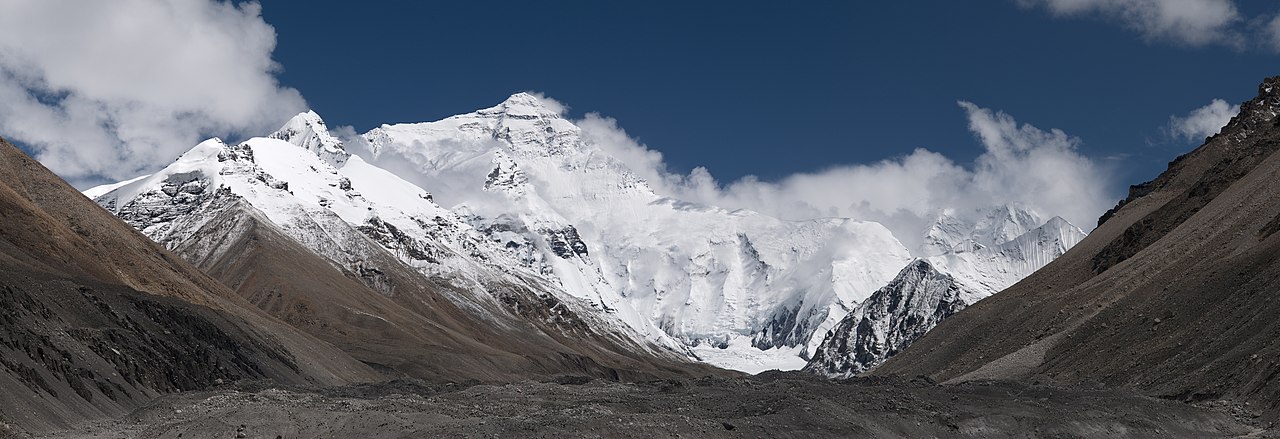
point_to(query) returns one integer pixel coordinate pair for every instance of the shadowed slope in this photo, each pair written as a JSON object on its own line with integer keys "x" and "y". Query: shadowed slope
{"x": 97, "y": 319}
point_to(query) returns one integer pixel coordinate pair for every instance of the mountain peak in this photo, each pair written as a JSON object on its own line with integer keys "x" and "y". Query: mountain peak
{"x": 1257, "y": 112}
{"x": 523, "y": 98}
{"x": 532, "y": 124}
{"x": 308, "y": 131}
{"x": 1269, "y": 87}
{"x": 527, "y": 105}
{"x": 984, "y": 226}
{"x": 1058, "y": 222}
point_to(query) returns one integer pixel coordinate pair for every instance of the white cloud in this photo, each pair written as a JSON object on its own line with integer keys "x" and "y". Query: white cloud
{"x": 549, "y": 103}
{"x": 110, "y": 90}
{"x": 1204, "y": 121}
{"x": 605, "y": 133}
{"x": 1271, "y": 33}
{"x": 1021, "y": 164}
{"x": 1191, "y": 22}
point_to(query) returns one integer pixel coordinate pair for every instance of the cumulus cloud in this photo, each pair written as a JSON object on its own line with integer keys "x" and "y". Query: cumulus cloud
{"x": 1204, "y": 121}
{"x": 109, "y": 90}
{"x": 1190, "y": 22}
{"x": 1021, "y": 164}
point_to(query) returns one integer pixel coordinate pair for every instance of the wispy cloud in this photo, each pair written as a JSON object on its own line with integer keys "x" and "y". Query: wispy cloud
{"x": 106, "y": 90}
{"x": 1271, "y": 32}
{"x": 1189, "y": 22}
{"x": 1204, "y": 121}
{"x": 1020, "y": 164}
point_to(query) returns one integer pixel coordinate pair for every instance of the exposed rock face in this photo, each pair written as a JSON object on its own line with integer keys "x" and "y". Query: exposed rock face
{"x": 889, "y": 320}
{"x": 933, "y": 289}
{"x": 1171, "y": 295}
{"x": 566, "y": 243}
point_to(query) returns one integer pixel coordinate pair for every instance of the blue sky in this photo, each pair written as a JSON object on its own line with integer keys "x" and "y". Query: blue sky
{"x": 796, "y": 109}
{"x": 769, "y": 88}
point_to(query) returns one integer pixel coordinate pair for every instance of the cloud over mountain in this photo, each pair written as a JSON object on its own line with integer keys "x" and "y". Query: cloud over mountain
{"x": 1204, "y": 121}
{"x": 1021, "y": 164}
{"x": 108, "y": 90}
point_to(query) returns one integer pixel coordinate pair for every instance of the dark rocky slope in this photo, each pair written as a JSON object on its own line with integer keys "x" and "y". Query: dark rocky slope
{"x": 1174, "y": 294}
{"x": 889, "y": 320}
{"x": 95, "y": 319}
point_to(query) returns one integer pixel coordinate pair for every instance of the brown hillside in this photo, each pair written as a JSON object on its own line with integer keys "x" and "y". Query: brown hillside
{"x": 1175, "y": 294}
{"x": 95, "y": 319}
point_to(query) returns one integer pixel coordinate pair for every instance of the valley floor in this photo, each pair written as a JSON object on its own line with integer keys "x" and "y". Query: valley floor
{"x": 776, "y": 404}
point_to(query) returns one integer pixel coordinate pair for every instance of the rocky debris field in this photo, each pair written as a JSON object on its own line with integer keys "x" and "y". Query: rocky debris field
{"x": 774, "y": 404}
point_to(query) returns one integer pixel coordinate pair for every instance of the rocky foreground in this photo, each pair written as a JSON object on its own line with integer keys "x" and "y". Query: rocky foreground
{"x": 772, "y": 405}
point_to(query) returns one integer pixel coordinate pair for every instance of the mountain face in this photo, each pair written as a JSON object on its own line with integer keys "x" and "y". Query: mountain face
{"x": 368, "y": 262}
{"x": 932, "y": 289}
{"x": 729, "y": 284}
{"x": 1173, "y": 294}
{"x": 98, "y": 320}
{"x": 954, "y": 232}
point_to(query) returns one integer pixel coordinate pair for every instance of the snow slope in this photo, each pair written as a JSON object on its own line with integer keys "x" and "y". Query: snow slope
{"x": 98, "y": 191}
{"x": 344, "y": 214}
{"x": 687, "y": 273}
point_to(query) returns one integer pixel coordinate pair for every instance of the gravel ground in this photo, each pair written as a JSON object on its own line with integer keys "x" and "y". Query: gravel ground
{"x": 771, "y": 405}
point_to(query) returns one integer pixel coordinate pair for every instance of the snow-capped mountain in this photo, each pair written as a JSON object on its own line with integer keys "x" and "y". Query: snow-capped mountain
{"x": 302, "y": 183}
{"x": 955, "y": 231}
{"x": 931, "y": 289}
{"x": 311, "y": 200}
{"x": 745, "y": 290}
{"x": 530, "y": 201}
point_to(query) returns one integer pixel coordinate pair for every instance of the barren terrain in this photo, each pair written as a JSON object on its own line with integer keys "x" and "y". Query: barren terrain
{"x": 775, "y": 404}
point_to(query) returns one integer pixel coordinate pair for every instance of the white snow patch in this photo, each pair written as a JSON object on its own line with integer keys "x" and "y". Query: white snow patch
{"x": 741, "y": 356}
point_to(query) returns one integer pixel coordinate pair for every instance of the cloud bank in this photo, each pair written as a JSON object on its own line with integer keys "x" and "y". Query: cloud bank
{"x": 105, "y": 90}
{"x": 1189, "y": 22}
{"x": 1204, "y": 121}
{"x": 1020, "y": 164}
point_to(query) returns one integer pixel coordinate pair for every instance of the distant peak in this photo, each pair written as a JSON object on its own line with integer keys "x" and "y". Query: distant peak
{"x": 529, "y": 104}
{"x": 307, "y": 118}
{"x": 211, "y": 143}
{"x": 522, "y": 98}
{"x": 1057, "y": 222}
{"x": 308, "y": 131}
{"x": 1060, "y": 224}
